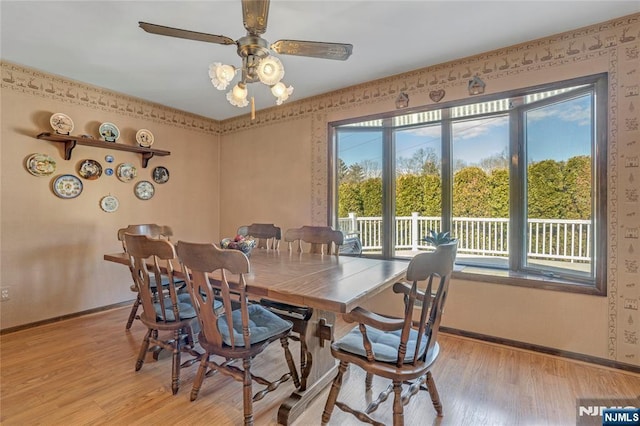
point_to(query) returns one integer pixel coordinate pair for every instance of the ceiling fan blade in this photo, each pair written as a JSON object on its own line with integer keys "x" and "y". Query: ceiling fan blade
{"x": 315, "y": 49}
{"x": 254, "y": 15}
{"x": 189, "y": 35}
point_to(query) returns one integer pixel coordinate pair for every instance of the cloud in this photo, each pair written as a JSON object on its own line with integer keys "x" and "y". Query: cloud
{"x": 470, "y": 129}
{"x": 579, "y": 114}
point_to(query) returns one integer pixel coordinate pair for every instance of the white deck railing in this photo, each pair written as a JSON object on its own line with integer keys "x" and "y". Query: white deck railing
{"x": 553, "y": 239}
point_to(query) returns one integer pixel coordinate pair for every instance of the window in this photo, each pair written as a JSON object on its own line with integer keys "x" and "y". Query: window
{"x": 518, "y": 179}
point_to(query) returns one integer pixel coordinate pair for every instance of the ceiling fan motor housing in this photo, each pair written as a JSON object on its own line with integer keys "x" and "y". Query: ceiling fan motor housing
{"x": 252, "y": 49}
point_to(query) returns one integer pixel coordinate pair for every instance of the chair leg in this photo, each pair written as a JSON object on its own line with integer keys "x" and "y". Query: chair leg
{"x": 433, "y": 391}
{"x": 197, "y": 382}
{"x": 143, "y": 350}
{"x": 247, "y": 394}
{"x": 368, "y": 382}
{"x": 132, "y": 314}
{"x": 398, "y": 413}
{"x": 290, "y": 363}
{"x": 175, "y": 370}
{"x": 333, "y": 394}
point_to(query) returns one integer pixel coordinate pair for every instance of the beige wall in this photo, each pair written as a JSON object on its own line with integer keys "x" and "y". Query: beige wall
{"x": 274, "y": 169}
{"x": 605, "y": 327}
{"x": 52, "y": 248}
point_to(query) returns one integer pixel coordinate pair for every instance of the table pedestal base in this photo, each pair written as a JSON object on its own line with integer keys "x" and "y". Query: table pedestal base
{"x": 322, "y": 372}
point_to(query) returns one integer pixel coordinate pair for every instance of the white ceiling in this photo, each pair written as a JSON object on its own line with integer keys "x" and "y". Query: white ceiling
{"x": 99, "y": 42}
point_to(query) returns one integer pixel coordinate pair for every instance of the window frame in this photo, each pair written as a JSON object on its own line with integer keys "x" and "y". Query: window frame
{"x": 515, "y": 274}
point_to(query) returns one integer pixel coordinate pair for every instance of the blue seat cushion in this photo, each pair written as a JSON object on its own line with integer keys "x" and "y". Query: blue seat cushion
{"x": 263, "y": 324}
{"x": 384, "y": 344}
{"x": 165, "y": 280}
{"x": 184, "y": 307}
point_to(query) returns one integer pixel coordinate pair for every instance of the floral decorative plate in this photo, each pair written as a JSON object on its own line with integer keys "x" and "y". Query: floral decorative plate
{"x": 108, "y": 158}
{"x": 144, "y": 190}
{"x": 144, "y": 138}
{"x": 61, "y": 123}
{"x": 160, "y": 174}
{"x": 108, "y": 171}
{"x": 109, "y": 132}
{"x": 67, "y": 186}
{"x": 90, "y": 169}
{"x": 41, "y": 165}
{"x": 126, "y": 172}
{"x": 109, "y": 203}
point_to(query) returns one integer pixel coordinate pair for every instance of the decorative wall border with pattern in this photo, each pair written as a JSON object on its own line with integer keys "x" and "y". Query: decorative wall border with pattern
{"x": 37, "y": 83}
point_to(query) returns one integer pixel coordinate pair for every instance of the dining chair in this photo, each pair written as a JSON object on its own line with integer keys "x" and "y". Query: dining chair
{"x": 162, "y": 311}
{"x": 241, "y": 330}
{"x": 402, "y": 350}
{"x": 154, "y": 231}
{"x": 319, "y": 240}
{"x": 267, "y": 234}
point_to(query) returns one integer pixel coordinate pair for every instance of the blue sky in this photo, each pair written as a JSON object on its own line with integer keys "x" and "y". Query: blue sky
{"x": 557, "y": 131}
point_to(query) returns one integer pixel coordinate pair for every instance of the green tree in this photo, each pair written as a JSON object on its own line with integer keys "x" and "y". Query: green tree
{"x": 546, "y": 197}
{"x": 471, "y": 193}
{"x": 342, "y": 170}
{"x": 354, "y": 174}
{"x": 432, "y": 198}
{"x": 349, "y": 199}
{"x": 499, "y": 190}
{"x": 409, "y": 194}
{"x": 371, "y": 193}
{"x": 577, "y": 183}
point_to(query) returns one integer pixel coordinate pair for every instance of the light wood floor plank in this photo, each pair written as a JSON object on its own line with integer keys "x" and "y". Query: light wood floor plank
{"x": 81, "y": 371}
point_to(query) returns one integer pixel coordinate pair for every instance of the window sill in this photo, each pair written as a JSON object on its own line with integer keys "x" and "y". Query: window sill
{"x": 503, "y": 276}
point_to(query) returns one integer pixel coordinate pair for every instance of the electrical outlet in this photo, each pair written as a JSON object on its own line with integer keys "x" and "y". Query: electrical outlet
{"x": 4, "y": 293}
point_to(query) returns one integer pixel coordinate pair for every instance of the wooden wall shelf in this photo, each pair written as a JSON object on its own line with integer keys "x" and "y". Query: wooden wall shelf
{"x": 70, "y": 142}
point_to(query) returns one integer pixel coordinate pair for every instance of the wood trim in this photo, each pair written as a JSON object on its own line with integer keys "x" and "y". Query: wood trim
{"x": 542, "y": 349}
{"x": 65, "y": 317}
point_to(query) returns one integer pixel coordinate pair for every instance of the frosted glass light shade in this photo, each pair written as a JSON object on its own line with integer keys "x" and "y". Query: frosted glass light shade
{"x": 221, "y": 75}
{"x": 238, "y": 96}
{"x": 270, "y": 70}
{"x": 281, "y": 92}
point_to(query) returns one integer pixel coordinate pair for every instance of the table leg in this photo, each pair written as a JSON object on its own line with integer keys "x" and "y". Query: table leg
{"x": 323, "y": 368}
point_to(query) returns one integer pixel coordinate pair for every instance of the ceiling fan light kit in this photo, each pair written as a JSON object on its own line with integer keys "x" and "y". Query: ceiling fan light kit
{"x": 221, "y": 75}
{"x": 258, "y": 64}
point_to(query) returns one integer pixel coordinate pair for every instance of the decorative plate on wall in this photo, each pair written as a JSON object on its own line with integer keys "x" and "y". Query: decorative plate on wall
{"x": 41, "y": 165}
{"x": 67, "y": 186}
{"x": 144, "y": 190}
{"x": 160, "y": 174}
{"x": 109, "y": 132}
{"x": 109, "y": 203}
{"x": 144, "y": 138}
{"x": 108, "y": 171}
{"x": 126, "y": 172}
{"x": 90, "y": 169}
{"x": 61, "y": 123}
{"x": 108, "y": 158}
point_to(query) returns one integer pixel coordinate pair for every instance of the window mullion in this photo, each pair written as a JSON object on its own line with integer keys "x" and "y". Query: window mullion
{"x": 447, "y": 171}
{"x": 388, "y": 190}
{"x": 517, "y": 190}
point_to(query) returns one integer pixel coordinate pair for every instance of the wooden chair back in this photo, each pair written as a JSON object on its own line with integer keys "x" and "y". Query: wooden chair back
{"x": 321, "y": 239}
{"x": 198, "y": 261}
{"x": 267, "y": 234}
{"x": 150, "y": 229}
{"x": 435, "y": 268}
{"x": 149, "y": 257}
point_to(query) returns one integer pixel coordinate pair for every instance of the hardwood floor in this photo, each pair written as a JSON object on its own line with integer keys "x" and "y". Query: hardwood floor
{"x": 81, "y": 371}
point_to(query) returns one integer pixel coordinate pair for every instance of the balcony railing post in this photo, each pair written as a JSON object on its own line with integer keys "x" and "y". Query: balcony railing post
{"x": 414, "y": 231}
{"x": 353, "y": 218}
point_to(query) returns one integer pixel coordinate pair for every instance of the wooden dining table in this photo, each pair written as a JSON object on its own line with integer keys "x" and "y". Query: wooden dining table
{"x": 329, "y": 285}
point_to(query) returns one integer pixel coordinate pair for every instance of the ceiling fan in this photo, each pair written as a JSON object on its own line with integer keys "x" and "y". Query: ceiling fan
{"x": 257, "y": 62}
